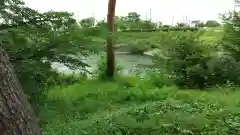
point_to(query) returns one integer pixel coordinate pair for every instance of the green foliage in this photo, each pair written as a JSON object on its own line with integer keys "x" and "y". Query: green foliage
{"x": 100, "y": 72}
{"x": 143, "y": 25}
{"x": 199, "y": 25}
{"x": 87, "y": 22}
{"x": 133, "y": 17}
{"x": 34, "y": 40}
{"x": 103, "y": 108}
{"x": 162, "y": 29}
{"x": 139, "y": 46}
{"x": 209, "y": 37}
{"x": 211, "y": 23}
{"x": 140, "y": 30}
{"x": 231, "y": 41}
{"x": 182, "y": 53}
{"x": 193, "y": 64}
{"x": 58, "y": 79}
{"x": 166, "y": 26}
{"x": 128, "y": 105}
{"x": 159, "y": 79}
{"x": 182, "y": 25}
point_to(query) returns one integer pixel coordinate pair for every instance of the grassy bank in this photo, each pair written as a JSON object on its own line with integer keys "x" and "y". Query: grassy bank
{"x": 132, "y": 106}
{"x": 125, "y": 37}
{"x": 140, "y": 42}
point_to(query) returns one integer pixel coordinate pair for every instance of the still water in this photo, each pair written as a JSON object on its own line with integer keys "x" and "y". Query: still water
{"x": 128, "y": 62}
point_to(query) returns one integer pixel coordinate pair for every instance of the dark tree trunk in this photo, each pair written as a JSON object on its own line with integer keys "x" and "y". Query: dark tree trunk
{"x": 16, "y": 114}
{"x": 110, "y": 39}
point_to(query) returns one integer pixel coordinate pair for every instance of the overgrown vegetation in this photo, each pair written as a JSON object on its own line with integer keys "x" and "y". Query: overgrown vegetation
{"x": 166, "y": 100}
{"x": 34, "y": 40}
{"x": 141, "y": 108}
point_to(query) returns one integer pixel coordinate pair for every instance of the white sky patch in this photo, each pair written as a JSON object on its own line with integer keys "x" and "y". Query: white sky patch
{"x": 161, "y": 10}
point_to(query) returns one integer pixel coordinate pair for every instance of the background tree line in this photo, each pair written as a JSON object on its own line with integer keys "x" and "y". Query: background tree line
{"x": 133, "y": 21}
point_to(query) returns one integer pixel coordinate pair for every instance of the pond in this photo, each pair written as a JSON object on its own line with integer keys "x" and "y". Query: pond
{"x": 128, "y": 62}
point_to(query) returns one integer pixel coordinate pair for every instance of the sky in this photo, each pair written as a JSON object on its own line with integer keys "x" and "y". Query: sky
{"x": 161, "y": 10}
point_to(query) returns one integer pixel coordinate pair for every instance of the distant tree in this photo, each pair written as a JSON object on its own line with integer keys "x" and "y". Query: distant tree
{"x": 182, "y": 25}
{"x": 133, "y": 17}
{"x": 166, "y": 26}
{"x": 237, "y": 2}
{"x": 160, "y": 24}
{"x": 87, "y": 22}
{"x": 146, "y": 24}
{"x": 121, "y": 22}
{"x": 199, "y": 25}
{"x": 212, "y": 23}
{"x": 101, "y": 22}
{"x": 195, "y": 21}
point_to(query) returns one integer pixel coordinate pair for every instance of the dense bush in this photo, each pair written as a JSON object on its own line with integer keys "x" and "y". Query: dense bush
{"x": 193, "y": 64}
{"x": 139, "y": 46}
{"x": 231, "y": 40}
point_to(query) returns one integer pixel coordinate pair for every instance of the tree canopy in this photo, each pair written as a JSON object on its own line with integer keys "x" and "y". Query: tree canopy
{"x": 34, "y": 40}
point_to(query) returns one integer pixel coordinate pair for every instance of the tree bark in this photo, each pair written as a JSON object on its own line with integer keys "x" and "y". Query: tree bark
{"x": 16, "y": 114}
{"x": 110, "y": 39}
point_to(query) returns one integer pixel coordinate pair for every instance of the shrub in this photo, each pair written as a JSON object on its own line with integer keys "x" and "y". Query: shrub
{"x": 231, "y": 38}
{"x": 139, "y": 46}
{"x": 37, "y": 77}
{"x": 159, "y": 79}
{"x": 194, "y": 64}
{"x": 59, "y": 79}
{"x": 223, "y": 69}
{"x": 100, "y": 72}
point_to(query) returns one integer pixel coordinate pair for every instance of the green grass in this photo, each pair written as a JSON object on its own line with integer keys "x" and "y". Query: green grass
{"x": 125, "y": 37}
{"x": 211, "y": 36}
{"x": 140, "y": 42}
{"x": 132, "y": 106}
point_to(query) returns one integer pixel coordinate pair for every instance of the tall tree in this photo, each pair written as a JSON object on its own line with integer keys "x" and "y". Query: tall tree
{"x": 16, "y": 114}
{"x": 110, "y": 39}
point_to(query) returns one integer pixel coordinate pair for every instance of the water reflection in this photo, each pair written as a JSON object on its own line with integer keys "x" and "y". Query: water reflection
{"x": 130, "y": 63}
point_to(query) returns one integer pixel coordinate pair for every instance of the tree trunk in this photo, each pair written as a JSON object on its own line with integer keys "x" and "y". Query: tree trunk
{"x": 110, "y": 52}
{"x": 16, "y": 114}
